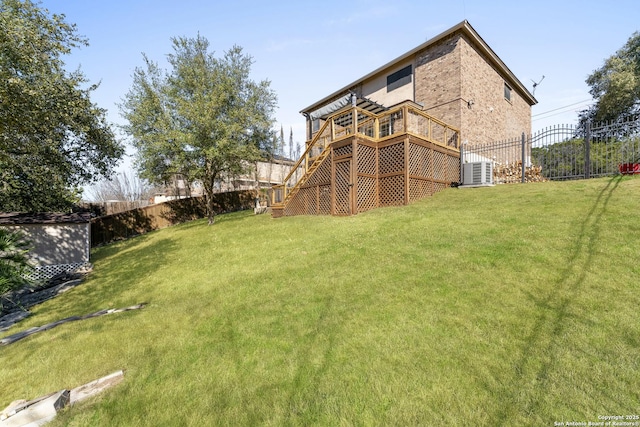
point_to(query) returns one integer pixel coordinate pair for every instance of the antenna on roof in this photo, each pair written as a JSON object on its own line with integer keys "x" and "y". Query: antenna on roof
{"x": 535, "y": 85}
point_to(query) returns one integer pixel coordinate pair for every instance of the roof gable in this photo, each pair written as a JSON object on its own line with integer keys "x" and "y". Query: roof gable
{"x": 463, "y": 27}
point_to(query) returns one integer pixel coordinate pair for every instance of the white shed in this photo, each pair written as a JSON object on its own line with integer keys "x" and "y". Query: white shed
{"x": 61, "y": 242}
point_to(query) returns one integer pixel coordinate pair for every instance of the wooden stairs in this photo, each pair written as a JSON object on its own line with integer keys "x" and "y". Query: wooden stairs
{"x": 316, "y": 163}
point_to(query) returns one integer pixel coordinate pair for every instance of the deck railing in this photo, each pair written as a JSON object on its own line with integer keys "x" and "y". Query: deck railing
{"x": 402, "y": 119}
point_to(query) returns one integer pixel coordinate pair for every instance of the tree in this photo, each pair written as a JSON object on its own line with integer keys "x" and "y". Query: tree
{"x": 203, "y": 119}
{"x": 53, "y": 139}
{"x": 616, "y": 85}
{"x": 292, "y": 152}
{"x": 13, "y": 259}
{"x": 126, "y": 187}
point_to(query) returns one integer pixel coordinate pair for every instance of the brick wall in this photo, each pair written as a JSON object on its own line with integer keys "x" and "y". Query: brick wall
{"x": 459, "y": 86}
{"x": 438, "y": 80}
{"x": 490, "y": 117}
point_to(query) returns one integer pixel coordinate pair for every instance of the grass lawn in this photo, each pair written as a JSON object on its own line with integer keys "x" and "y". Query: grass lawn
{"x": 503, "y": 306}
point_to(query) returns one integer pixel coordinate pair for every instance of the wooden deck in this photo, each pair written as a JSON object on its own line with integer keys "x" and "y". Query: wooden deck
{"x": 360, "y": 161}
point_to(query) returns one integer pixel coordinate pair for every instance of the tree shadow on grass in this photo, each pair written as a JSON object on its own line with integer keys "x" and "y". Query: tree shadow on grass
{"x": 554, "y": 312}
{"x": 119, "y": 272}
{"x": 106, "y": 251}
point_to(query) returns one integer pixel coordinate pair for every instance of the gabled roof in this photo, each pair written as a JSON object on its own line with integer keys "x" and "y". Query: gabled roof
{"x": 465, "y": 28}
{"x": 16, "y": 218}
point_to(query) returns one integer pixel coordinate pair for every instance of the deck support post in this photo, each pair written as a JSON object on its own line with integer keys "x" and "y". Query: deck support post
{"x": 406, "y": 170}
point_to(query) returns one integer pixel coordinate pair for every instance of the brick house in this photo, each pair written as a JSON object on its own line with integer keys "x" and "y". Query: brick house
{"x": 452, "y": 89}
{"x": 455, "y": 77}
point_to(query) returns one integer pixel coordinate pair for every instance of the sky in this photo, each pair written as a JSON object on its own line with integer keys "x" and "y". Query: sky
{"x": 308, "y": 50}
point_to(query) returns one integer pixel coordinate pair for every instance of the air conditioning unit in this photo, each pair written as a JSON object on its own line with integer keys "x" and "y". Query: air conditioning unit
{"x": 477, "y": 173}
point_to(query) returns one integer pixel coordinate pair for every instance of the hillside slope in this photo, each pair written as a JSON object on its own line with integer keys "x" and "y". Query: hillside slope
{"x": 510, "y": 305}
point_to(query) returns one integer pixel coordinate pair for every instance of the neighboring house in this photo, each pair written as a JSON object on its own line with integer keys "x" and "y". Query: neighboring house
{"x": 394, "y": 135}
{"x": 61, "y": 242}
{"x": 260, "y": 175}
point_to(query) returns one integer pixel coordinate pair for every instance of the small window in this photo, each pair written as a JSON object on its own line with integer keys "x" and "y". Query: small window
{"x": 315, "y": 125}
{"x": 399, "y": 78}
{"x": 507, "y": 92}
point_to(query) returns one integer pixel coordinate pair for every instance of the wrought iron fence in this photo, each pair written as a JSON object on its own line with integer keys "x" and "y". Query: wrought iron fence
{"x": 563, "y": 152}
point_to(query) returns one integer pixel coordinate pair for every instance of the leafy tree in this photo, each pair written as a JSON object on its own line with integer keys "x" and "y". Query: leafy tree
{"x": 203, "y": 119}
{"x": 567, "y": 160}
{"x": 13, "y": 259}
{"x": 52, "y": 138}
{"x": 616, "y": 85}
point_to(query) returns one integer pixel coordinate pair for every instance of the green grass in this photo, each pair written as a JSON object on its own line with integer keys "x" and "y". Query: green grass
{"x": 502, "y": 306}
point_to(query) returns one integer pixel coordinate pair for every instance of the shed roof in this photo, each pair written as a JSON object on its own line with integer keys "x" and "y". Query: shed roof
{"x": 16, "y": 218}
{"x": 464, "y": 27}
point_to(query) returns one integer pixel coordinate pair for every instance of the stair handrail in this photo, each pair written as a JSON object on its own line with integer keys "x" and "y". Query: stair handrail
{"x": 312, "y": 144}
{"x": 296, "y": 165}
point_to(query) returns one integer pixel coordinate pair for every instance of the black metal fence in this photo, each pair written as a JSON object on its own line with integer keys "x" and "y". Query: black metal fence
{"x": 563, "y": 152}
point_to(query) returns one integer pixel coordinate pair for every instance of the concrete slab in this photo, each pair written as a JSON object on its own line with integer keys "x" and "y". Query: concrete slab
{"x": 37, "y": 412}
{"x": 92, "y": 388}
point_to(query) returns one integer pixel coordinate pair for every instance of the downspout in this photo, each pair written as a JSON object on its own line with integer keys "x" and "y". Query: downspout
{"x": 309, "y": 129}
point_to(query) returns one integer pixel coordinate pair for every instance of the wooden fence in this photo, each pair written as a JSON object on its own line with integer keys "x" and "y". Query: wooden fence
{"x": 112, "y": 207}
{"x": 123, "y": 225}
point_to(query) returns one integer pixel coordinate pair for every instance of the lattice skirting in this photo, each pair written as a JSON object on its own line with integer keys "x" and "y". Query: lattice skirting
{"x": 367, "y": 193}
{"x": 324, "y": 206}
{"x": 392, "y": 190}
{"x": 42, "y": 273}
{"x": 354, "y": 180}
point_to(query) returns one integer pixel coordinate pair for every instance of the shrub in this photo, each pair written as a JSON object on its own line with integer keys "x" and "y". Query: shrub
{"x": 13, "y": 259}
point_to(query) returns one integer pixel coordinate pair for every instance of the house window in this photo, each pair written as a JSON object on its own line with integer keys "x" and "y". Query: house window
{"x": 315, "y": 125}
{"x": 507, "y": 92}
{"x": 399, "y": 78}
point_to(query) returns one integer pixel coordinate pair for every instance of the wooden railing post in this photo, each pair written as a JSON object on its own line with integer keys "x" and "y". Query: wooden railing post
{"x": 333, "y": 131}
{"x": 405, "y": 118}
{"x": 354, "y": 115}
